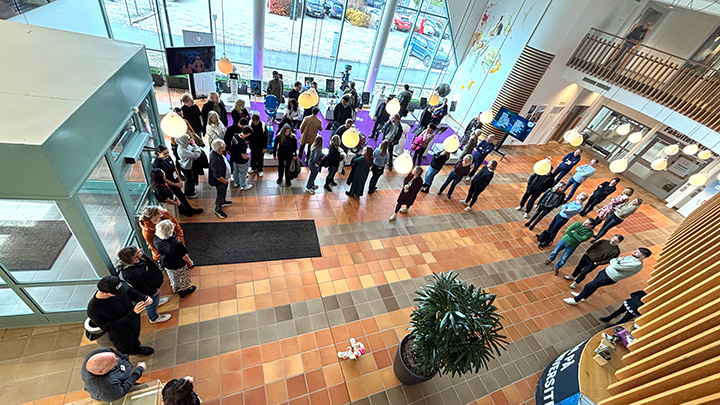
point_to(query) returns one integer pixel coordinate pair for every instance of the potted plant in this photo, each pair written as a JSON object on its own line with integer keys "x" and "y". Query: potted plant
{"x": 454, "y": 329}
{"x": 157, "y": 76}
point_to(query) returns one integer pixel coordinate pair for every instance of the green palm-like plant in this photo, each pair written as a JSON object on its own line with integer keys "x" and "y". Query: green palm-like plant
{"x": 455, "y": 328}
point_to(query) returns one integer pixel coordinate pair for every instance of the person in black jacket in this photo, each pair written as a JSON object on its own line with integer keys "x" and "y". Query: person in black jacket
{"x": 294, "y": 93}
{"x": 239, "y": 158}
{"x": 191, "y": 113}
{"x": 599, "y": 195}
{"x": 219, "y": 176}
{"x": 257, "y": 141}
{"x": 108, "y": 376}
{"x": 392, "y": 132}
{"x": 174, "y": 258}
{"x": 630, "y": 308}
{"x": 536, "y": 185}
{"x": 214, "y": 104}
{"x": 145, "y": 276}
{"x": 164, "y": 162}
{"x": 440, "y": 112}
{"x": 425, "y": 120}
{"x": 284, "y": 150}
{"x": 552, "y": 198}
{"x": 334, "y": 157}
{"x": 342, "y": 112}
{"x": 381, "y": 117}
{"x": 436, "y": 164}
{"x": 478, "y": 184}
{"x": 113, "y": 310}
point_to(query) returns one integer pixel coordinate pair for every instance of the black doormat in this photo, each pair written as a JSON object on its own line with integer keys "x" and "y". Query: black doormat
{"x": 31, "y": 245}
{"x": 214, "y": 243}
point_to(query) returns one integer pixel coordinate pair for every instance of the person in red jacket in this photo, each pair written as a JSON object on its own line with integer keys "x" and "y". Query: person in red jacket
{"x": 411, "y": 187}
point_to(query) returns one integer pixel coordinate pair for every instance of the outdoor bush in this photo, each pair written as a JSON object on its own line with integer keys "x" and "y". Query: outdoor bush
{"x": 357, "y": 17}
{"x": 280, "y": 7}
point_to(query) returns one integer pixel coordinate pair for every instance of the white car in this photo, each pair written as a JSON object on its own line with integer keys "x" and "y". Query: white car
{"x": 375, "y": 14}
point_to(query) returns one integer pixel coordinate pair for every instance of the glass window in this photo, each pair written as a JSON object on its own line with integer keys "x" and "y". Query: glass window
{"x": 123, "y": 138}
{"x": 62, "y": 298}
{"x": 11, "y": 304}
{"x": 601, "y": 134}
{"x": 83, "y": 16}
{"x": 36, "y": 243}
{"x": 135, "y": 179}
{"x": 102, "y": 202}
{"x": 135, "y": 21}
{"x": 395, "y": 51}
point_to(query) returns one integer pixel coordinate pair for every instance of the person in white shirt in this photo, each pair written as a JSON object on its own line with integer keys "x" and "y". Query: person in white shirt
{"x": 583, "y": 173}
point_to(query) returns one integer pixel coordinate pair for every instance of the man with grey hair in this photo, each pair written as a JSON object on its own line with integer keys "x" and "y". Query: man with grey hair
{"x": 219, "y": 175}
{"x": 214, "y": 104}
{"x": 108, "y": 375}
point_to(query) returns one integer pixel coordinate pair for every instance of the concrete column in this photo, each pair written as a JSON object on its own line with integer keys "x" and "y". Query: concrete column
{"x": 258, "y": 42}
{"x": 382, "y": 37}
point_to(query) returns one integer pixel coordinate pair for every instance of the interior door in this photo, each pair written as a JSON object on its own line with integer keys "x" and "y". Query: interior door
{"x": 571, "y": 120}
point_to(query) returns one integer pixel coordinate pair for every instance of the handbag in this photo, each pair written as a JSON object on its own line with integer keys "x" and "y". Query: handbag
{"x": 92, "y": 332}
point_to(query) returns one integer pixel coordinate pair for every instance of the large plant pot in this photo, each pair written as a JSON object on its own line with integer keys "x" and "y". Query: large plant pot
{"x": 402, "y": 372}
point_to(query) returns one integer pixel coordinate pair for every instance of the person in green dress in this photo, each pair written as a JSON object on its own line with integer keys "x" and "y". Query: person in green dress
{"x": 361, "y": 169}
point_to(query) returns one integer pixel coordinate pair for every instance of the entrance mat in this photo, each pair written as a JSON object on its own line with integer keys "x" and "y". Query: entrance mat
{"x": 215, "y": 243}
{"x": 31, "y": 245}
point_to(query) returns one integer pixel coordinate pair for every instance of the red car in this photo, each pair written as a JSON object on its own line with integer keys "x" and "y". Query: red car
{"x": 401, "y": 22}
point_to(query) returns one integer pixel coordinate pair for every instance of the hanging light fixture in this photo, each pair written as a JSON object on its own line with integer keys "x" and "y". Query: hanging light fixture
{"x": 434, "y": 99}
{"x": 393, "y": 106}
{"x": 569, "y": 134}
{"x": 305, "y": 100}
{"x": 542, "y": 167}
{"x": 451, "y": 143}
{"x": 173, "y": 125}
{"x": 699, "y": 179}
{"x": 224, "y": 65}
{"x": 704, "y": 154}
{"x": 691, "y": 149}
{"x": 659, "y": 164}
{"x": 486, "y": 117}
{"x": 671, "y": 150}
{"x": 403, "y": 164}
{"x": 618, "y": 165}
{"x": 635, "y": 137}
{"x": 350, "y": 138}
{"x": 576, "y": 140}
{"x": 623, "y": 129}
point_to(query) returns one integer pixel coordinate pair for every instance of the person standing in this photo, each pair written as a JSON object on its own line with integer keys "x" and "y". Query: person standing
{"x": 180, "y": 392}
{"x": 214, "y": 104}
{"x": 619, "y": 269}
{"x": 404, "y": 98}
{"x": 219, "y": 176}
{"x": 480, "y": 153}
{"x": 145, "y": 276}
{"x": 629, "y": 309}
{"x": 309, "y": 129}
{"x": 335, "y": 157}
{"x": 583, "y": 173}
{"x": 537, "y": 184}
{"x": 597, "y": 254}
{"x": 392, "y": 132}
{"x": 164, "y": 162}
{"x": 380, "y": 117}
{"x": 575, "y": 234}
{"x": 471, "y": 143}
{"x": 470, "y": 130}
{"x": 359, "y": 174}
{"x": 440, "y": 112}
{"x": 425, "y": 120}
{"x": 552, "y": 199}
{"x": 191, "y": 113}
{"x": 239, "y": 158}
{"x": 619, "y": 214}
{"x": 616, "y": 201}
{"x": 422, "y": 142}
{"x": 567, "y": 211}
{"x": 151, "y": 216}
{"x": 257, "y": 141}
{"x": 381, "y": 157}
{"x": 462, "y": 168}
{"x": 174, "y": 259}
{"x": 478, "y": 184}
{"x": 600, "y": 194}
{"x": 436, "y": 164}
{"x": 275, "y": 87}
{"x": 411, "y": 187}
{"x": 284, "y": 150}
{"x": 188, "y": 153}
{"x": 633, "y": 39}
{"x": 568, "y": 162}
{"x": 342, "y": 112}
{"x": 314, "y": 164}
{"x": 215, "y": 128}
{"x": 108, "y": 375}
{"x": 294, "y": 93}
{"x": 112, "y": 310}
{"x": 239, "y": 111}
{"x": 162, "y": 193}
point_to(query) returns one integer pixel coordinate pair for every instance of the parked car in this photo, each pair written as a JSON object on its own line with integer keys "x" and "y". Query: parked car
{"x": 314, "y": 8}
{"x": 423, "y": 46}
{"x": 401, "y": 22}
{"x": 437, "y": 29}
{"x": 375, "y": 14}
{"x": 333, "y": 8}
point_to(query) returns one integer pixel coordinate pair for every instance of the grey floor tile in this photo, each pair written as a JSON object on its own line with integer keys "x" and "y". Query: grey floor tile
{"x": 209, "y": 329}
{"x": 186, "y": 352}
{"x": 230, "y": 342}
{"x": 249, "y": 338}
{"x": 209, "y": 347}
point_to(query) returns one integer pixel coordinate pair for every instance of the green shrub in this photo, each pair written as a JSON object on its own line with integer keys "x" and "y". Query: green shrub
{"x": 357, "y": 17}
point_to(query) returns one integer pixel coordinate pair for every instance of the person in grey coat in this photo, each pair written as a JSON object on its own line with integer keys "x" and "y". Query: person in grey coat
{"x": 188, "y": 152}
{"x": 107, "y": 375}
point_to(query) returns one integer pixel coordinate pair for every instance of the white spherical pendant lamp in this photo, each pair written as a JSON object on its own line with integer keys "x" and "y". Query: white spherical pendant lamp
{"x": 350, "y": 138}
{"x": 305, "y": 100}
{"x": 173, "y": 125}
{"x": 576, "y": 140}
{"x": 623, "y": 129}
{"x": 659, "y": 164}
{"x": 570, "y": 134}
{"x": 434, "y": 99}
{"x": 224, "y": 65}
{"x": 542, "y": 167}
{"x": 486, "y": 117}
{"x": 618, "y": 165}
{"x": 393, "y": 106}
{"x": 691, "y": 149}
{"x": 704, "y": 154}
{"x": 635, "y": 137}
{"x": 314, "y": 94}
{"x": 403, "y": 164}
{"x": 451, "y": 143}
{"x": 672, "y": 150}
{"x": 698, "y": 179}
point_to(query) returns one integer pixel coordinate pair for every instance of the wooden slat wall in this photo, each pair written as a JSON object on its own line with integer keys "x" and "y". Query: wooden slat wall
{"x": 521, "y": 82}
{"x": 676, "y": 357}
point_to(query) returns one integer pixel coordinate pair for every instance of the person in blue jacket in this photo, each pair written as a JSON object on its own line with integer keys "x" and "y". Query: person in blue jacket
{"x": 480, "y": 153}
{"x": 567, "y": 164}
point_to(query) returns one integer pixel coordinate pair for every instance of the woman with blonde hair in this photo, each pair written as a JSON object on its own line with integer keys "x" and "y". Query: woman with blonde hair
{"x": 151, "y": 216}
{"x": 174, "y": 258}
{"x": 215, "y": 128}
{"x": 616, "y": 201}
{"x": 334, "y": 157}
{"x": 619, "y": 214}
{"x": 239, "y": 111}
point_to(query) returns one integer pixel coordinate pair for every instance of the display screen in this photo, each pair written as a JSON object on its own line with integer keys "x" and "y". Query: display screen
{"x": 255, "y": 87}
{"x": 515, "y": 125}
{"x": 190, "y": 59}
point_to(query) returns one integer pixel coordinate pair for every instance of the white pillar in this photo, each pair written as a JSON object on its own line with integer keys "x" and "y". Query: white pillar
{"x": 384, "y": 31}
{"x": 258, "y": 41}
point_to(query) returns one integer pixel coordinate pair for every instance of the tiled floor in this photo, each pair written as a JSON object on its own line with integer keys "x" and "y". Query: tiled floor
{"x": 269, "y": 332}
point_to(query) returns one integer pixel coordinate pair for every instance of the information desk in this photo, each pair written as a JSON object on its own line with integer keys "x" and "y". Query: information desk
{"x": 225, "y": 97}
{"x": 576, "y": 378}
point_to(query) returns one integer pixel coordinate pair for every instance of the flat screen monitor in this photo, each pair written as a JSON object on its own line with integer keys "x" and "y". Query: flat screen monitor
{"x": 190, "y": 59}
{"x": 515, "y": 125}
{"x": 423, "y": 102}
{"x": 255, "y": 87}
{"x": 330, "y": 85}
{"x": 453, "y": 106}
{"x": 365, "y": 98}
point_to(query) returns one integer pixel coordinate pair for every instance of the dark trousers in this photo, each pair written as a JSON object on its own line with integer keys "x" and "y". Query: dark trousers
{"x": 221, "y": 192}
{"x": 477, "y": 162}
{"x": 377, "y": 171}
{"x": 191, "y": 180}
{"x": 573, "y": 187}
{"x": 330, "y": 178}
{"x": 390, "y": 151}
{"x": 127, "y": 340}
{"x": 452, "y": 180}
{"x": 591, "y": 203}
{"x": 284, "y": 168}
{"x": 376, "y": 128}
{"x": 583, "y": 268}
{"x": 530, "y": 199}
{"x": 601, "y": 280}
{"x": 301, "y": 150}
{"x": 610, "y": 222}
{"x": 417, "y": 159}
{"x": 185, "y": 208}
{"x": 257, "y": 159}
{"x": 538, "y": 216}
{"x": 548, "y": 236}
{"x": 622, "y": 310}
{"x": 473, "y": 194}
{"x": 558, "y": 174}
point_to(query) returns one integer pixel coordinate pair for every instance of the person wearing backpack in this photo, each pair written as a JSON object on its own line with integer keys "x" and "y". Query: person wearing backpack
{"x": 315, "y": 160}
